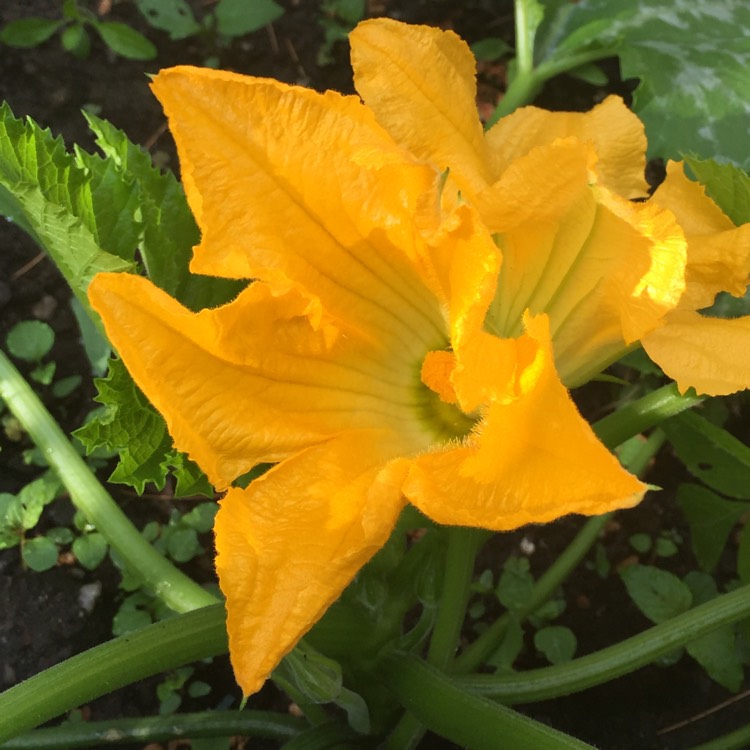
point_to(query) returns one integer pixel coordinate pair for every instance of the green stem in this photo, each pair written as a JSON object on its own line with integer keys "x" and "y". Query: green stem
{"x": 638, "y": 416}
{"x": 488, "y": 642}
{"x": 102, "y": 669}
{"x": 463, "y": 545}
{"x": 614, "y": 661}
{"x": 265, "y": 724}
{"x": 468, "y": 720}
{"x": 526, "y": 84}
{"x": 176, "y": 589}
{"x": 407, "y": 733}
{"x": 525, "y": 30}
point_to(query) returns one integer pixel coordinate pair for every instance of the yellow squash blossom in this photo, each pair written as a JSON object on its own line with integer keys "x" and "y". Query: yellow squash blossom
{"x": 397, "y": 342}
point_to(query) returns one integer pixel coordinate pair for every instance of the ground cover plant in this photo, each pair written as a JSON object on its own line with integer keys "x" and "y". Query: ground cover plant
{"x": 363, "y": 341}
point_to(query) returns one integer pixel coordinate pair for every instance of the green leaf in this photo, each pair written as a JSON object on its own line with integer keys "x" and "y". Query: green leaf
{"x": 665, "y": 547}
{"x": 130, "y": 616}
{"x": 114, "y": 208}
{"x": 692, "y": 60}
{"x": 55, "y": 194}
{"x": 743, "y": 555}
{"x": 490, "y": 49}
{"x": 557, "y": 643}
{"x": 75, "y": 39}
{"x": 95, "y": 344}
{"x": 238, "y": 17}
{"x": 191, "y": 481}
{"x": 640, "y": 542}
{"x": 710, "y": 453}
{"x": 197, "y": 689}
{"x": 702, "y": 586}
{"x": 30, "y": 340}
{"x": 35, "y": 496}
{"x": 552, "y": 27}
{"x": 350, "y": 12}
{"x": 660, "y": 595}
{"x": 11, "y": 528}
{"x": 547, "y": 612}
{"x": 716, "y": 651}
{"x": 711, "y": 519}
{"x": 590, "y": 73}
{"x": 357, "y": 713}
{"x": 726, "y": 185}
{"x": 65, "y": 386}
{"x": 90, "y": 549}
{"x": 13, "y": 211}
{"x": 44, "y": 373}
{"x": 130, "y": 426}
{"x": 169, "y": 230}
{"x": 39, "y": 554}
{"x": 516, "y": 584}
{"x": 201, "y": 518}
{"x": 60, "y": 535}
{"x": 125, "y": 40}
{"x": 71, "y": 11}
{"x": 28, "y": 32}
{"x": 172, "y": 16}
{"x": 182, "y": 544}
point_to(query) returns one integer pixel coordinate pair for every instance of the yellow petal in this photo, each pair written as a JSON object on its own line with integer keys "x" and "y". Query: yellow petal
{"x": 617, "y": 135}
{"x": 718, "y": 256}
{"x": 537, "y": 187}
{"x": 709, "y": 354}
{"x": 420, "y": 82}
{"x": 533, "y": 458}
{"x": 290, "y": 543}
{"x": 255, "y": 380}
{"x": 604, "y": 269}
{"x": 436, "y": 373}
{"x": 288, "y": 184}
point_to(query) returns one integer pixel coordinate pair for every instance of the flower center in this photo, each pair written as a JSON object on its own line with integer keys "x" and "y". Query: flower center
{"x": 438, "y": 405}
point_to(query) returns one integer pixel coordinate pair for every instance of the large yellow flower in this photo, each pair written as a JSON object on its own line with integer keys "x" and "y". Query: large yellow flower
{"x": 391, "y": 348}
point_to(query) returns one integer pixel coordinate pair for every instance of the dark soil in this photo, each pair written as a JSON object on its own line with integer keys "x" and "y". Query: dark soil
{"x": 42, "y": 620}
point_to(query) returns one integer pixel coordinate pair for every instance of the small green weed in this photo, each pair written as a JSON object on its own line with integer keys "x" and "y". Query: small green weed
{"x": 73, "y": 26}
{"x": 338, "y": 18}
{"x": 228, "y": 19}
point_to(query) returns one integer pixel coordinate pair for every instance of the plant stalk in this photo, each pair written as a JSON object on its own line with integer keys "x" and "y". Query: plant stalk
{"x": 614, "y": 661}
{"x": 463, "y": 545}
{"x": 527, "y": 83}
{"x": 150, "y": 729}
{"x": 646, "y": 412}
{"x": 468, "y": 720}
{"x": 164, "y": 645}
